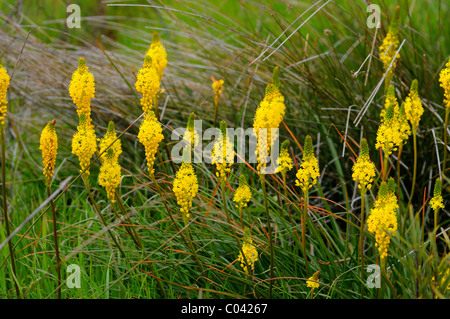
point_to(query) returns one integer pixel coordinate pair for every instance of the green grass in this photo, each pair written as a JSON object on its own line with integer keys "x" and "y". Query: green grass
{"x": 204, "y": 39}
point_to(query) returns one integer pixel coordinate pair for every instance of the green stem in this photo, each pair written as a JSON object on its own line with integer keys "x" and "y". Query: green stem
{"x": 385, "y": 167}
{"x": 55, "y": 237}
{"x": 399, "y": 193}
{"x": 304, "y": 223}
{"x": 361, "y": 238}
{"x": 414, "y": 130}
{"x": 269, "y": 229}
{"x": 5, "y": 212}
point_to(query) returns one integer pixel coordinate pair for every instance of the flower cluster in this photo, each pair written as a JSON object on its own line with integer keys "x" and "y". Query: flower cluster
{"x": 269, "y": 115}
{"x": 250, "y": 253}
{"x": 84, "y": 143}
{"x": 185, "y": 188}
{"x": 148, "y": 84}
{"x": 243, "y": 194}
{"x": 364, "y": 168}
{"x": 191, "y": 136}
{"x": 82, "y": 89}
{"x": 110, "y": 176}
{"x": 150, "y": 135}
{"x": 389, "y": 135}
{"x": 413, "y": 105}
{"x": 109, "y": 138}
{"x": 222, "y": 154}
{"x": 218, "y": 88}
{"x": 309, "y": 169}
{"x": 444, "y": 79}
{"x": 4, "y": 85}
{"x": 437, "y": 202}
{"x": 285, "y": 160}
{"x": 382, "y": 221}
{"x": 158, "y": 54}
{"x": 49, "y": 147}
{"x": 312, "y": 281}
{"x": 389, "y": 47}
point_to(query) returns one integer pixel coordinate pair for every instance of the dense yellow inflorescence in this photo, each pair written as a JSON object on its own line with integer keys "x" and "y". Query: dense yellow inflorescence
{"x": 242, "y": 195}
{"x": 312, "y": 281}
{"x": 269, "y": 115}
{"x": 250, "y": 253}
{"x": 82, "y": 89}
{"x": 84, "y": 143}
{"x": 382, "y": 221}
{"x": 285, "y": 160}
{"x": 158, "y": 54}
{"x": 218, "y": 88}
{"x": 222, "y": 155}
{"x": 364, "y": 169}
{"x": 109, "y": 138}
{"x": 389, "y": 47}
{"x": 150, "y": 135}
{"x": 309, "y": 169}
{"x": 110, "y": 176}
{"x": 444, "y": 79}
{"x": 390, "y": 134}
{"x": 148, "y": 84}
{"x": 437, "y": 201}
{"x": 185, "y": 188}
{"x": 49, "y": 147}
{"x": 4, "y": 85}
{"x": 413, "y": 106}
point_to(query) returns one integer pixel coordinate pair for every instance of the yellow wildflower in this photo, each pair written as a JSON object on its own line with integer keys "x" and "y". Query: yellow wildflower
{"x": 389, "y": 47}
{"x": 148, "y": 84}
{"x": 222, "y": 154}
{"x": 437, "y": 202}
{"x": 4, "y": 85}
{"x": 49, "y": 147}
{"x": 109, "y": 138}
{"x": 413, "y": 105}
{"x": 364, "y": 168}
{"x": 382, "y": 221}
{"x": 82, "y": 89}
{"x": 218, "y": 88}
{"x": 444, "y": 79}
{"x": 185, "y": 188}
{"x": 388, "y": 134}
{"x": 150, "y": 134}
{"x": 309, "y": 169}
{"x": 390, "y": 99}
{"x": 191, "y": 135}
{"x": 158, "y": 54}
{"x": 243, "y": 194}
{"x": 404, "y": 127}
{"x": 312, "y": 281}
{"x": 269, "y": 115}
{"x": 285, "y": 160}
{"x": 84, "y": 143}
{"x": 109, "y": 176}
{"x": 250, "y": 253}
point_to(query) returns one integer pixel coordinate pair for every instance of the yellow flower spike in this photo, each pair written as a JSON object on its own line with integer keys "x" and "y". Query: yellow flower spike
{"x": 109, "y": 138}
{"x": 110, "y": 175}
{"x": 243, "y": 194}
{"x": 84, "y": 143}
{"x": 222, "y": 154}
{"x": 82, "y": 89}
{"x": 4, "y": 85}
{"x": 150, "y": 135}
{"x": 309, "y": 169}
{"x": 250, "y": 253}
{"x": 404, "y": 127}
{"x": 390, "y": 99}
{"x": 185, "y": 188}
{"x": 285, "y": 160}
{"x": 191, "y": 135}
{"x": 444, "y": 79}
{"x": 49, "y": 147}
{"x": 218, "y": 88}
{"x": 158, "y": 54}
{"x": 364, "y": 169}
{"x": 382, "y": 221}
{"x": 313, "y": 284}
{"x": 389, "y": 136}
{"x": 148, "y": 84}
{"x": 437, "y": 202}
{"x": 269, "y": 115}
{"x": 413, "y": 105}
{"x": 389, "y": 47}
